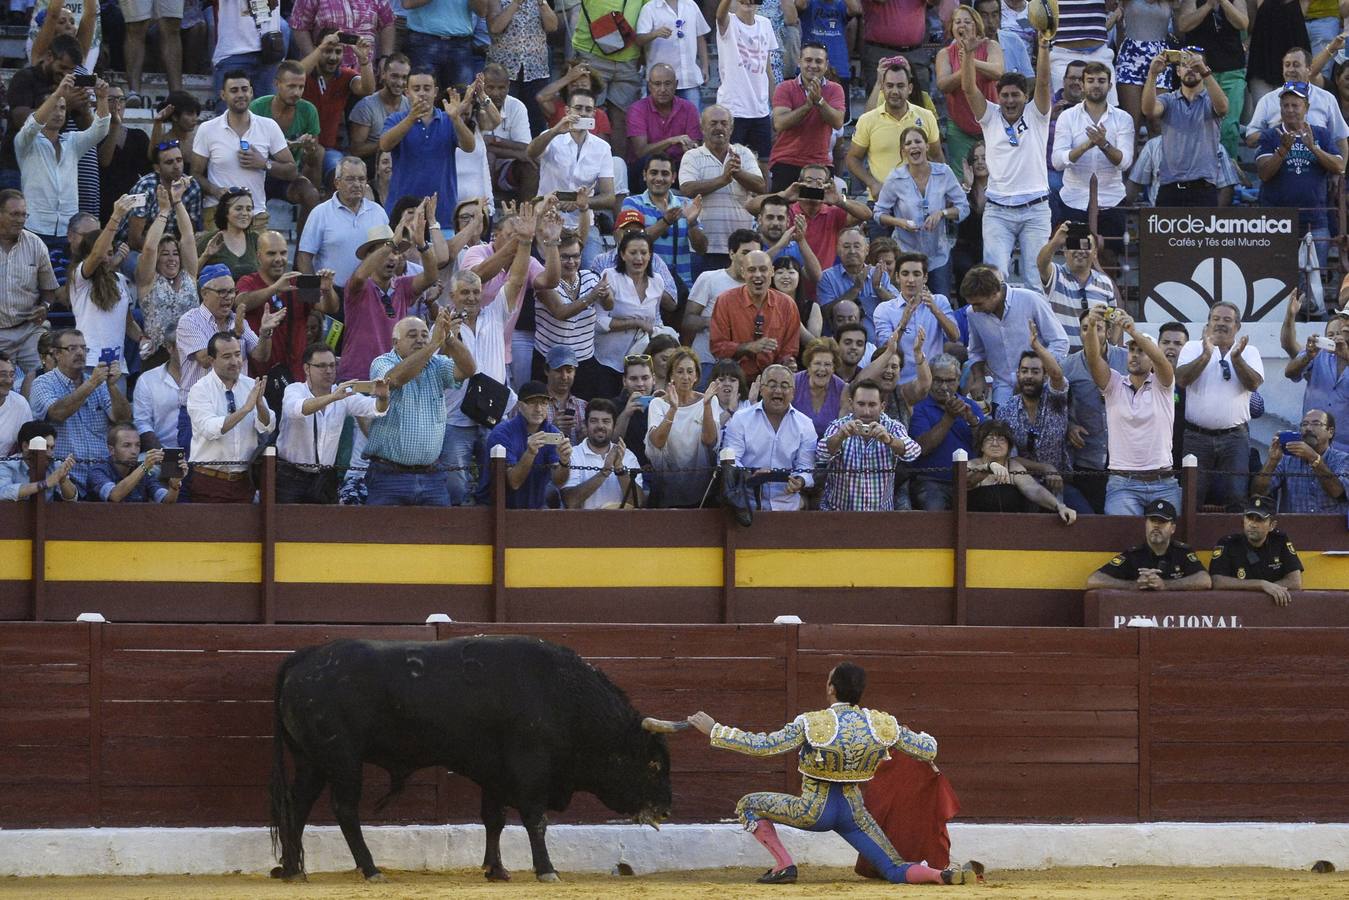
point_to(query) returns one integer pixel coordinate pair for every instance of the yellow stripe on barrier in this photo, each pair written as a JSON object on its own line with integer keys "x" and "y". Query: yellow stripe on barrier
{"x": 298, "y": 563}
{"x": 1065, "y": 570}
{"x": 761, "y": 568}
{"x": 605, "y": 567}
{"x": 228, "y": 562}
{"x": 16, "y": 560}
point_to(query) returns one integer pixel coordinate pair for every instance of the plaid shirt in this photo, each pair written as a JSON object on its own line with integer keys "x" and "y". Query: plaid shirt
{"x": 861, "y": 476}
{"x": 1300, "y": 491}
{"x": 412, "y": 431}
{"x": 363, "y": 17}
{"x": 146, "y": 185}
{"x": 1046, "y": 439}
{"x": 85, "y": 433}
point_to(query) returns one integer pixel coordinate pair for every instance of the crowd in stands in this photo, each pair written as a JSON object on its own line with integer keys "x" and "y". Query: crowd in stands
{"x": 536, "y": 226}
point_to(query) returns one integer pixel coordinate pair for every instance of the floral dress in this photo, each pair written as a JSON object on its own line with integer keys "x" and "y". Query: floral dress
{"x": 772, "y": 11}
{"x": 523, "y": 45}
{"x": 162, "y": 306}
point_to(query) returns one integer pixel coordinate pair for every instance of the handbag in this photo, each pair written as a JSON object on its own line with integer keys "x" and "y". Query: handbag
{"x": 611, "y": 32}
{"x": 273, "y": 44}
{"x": 485, "y": 400}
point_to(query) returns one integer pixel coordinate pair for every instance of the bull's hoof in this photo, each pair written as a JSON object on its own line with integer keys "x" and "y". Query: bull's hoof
{"x": 496, "y": 873}
{"x": 279, "y": 872}
{"x": 549, "y": 877}
{"x": 376, "y": 878}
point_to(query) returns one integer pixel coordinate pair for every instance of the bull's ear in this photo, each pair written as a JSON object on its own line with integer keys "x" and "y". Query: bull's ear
{"x": 663, "y": 726}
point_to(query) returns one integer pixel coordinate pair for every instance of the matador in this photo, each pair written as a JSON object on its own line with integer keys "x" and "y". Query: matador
{"x": 841, "y": 746}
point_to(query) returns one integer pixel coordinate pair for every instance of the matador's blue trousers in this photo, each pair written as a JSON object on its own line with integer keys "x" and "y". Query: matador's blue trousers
{"x": 828, "y": 806}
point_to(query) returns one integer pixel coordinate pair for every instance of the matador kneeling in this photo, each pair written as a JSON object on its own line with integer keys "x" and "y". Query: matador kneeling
{"x": 841, "y": 746}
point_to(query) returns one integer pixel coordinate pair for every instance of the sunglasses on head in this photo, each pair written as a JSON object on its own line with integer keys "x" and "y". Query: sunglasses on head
{"x": 633, "y": 358}
{"x": 167, "y": 145}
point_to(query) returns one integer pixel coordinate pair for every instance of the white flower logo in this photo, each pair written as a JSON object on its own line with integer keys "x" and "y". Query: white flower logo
{"x": 1216, "y": 278}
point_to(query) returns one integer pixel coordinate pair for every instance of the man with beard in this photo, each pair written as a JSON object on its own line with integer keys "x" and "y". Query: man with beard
{"x": 1076, "y": 284}
{"x": 1094, "y": 139}
{"x": 1157, "y": 564}
{"x": 166, "y": 160}
{"x": 915, "y": 308}
{"x": 313, "y": 412}
{"x": 1086, "y": 425}
{"x": 780, "y": 240}
{"x": 273, "y": 287}
{"x": 330, "y": 86}
{"x": 1309, "y": 475}
{"x": 852, "y": 349}
{"x": 1172, "y": 338}
{"x": 852, "y": 279}
{"x": 1139, "y": 412}
{"x": 337, "y": 227}
{"x": 1038, "y": 417}
{"x": 754, "y": 324}
{"x": 246, "y": 149}
{"x": 1258, "y": 558}
{"x": 602, "y": 467}
{"x": 1192, "y": 118}
{"x": 860, "y": 452}
{"x": 366, "y": 122}
{"x": 942, "y": 423}
{"x": 772, "y": 437}
{"x": 725, "y": 175}
{"x": 1218, "y": 374}
{"x": 999, "y": 320}
{"x": 671, "y": 221}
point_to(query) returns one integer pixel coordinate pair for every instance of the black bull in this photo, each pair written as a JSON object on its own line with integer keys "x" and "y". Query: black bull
{"x": 528, "y": 721}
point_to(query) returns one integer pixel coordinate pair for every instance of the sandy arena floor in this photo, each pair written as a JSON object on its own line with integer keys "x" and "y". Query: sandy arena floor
{"x": 1086, "y": 884}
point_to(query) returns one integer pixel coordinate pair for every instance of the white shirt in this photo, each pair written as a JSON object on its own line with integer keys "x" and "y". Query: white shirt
{"x": 14, "y": 414}
{"x": 612, "y": 346}
{"x": 236, "y": 31}
{"x": 1212, "y": 401}
{"x": 156, "y": 403}
{"x": 723, "y": 209}
{"x": 102, "y": 328}
{"x": 1322, "y": 110}
{"x": 207, "y": 406}
{"x": 219, "y": 143}
{"x": 758, "y": 445}
{"x": 680, "y": 54}
{"x": 474, "y": 176}
{"x": 610, "y": 492}
{"x": 1071, "y": 131}
{"x": 332, "y": 233}
{"x": 1016, "y": 170}
{"x": 514, "y": 123}
{"x": 302, "y": 435}
{"x": 568, "y": 166}
{"x": 742, "y": 60}
{"x": 487, "y": 344}
{"x": 706, "y": 290}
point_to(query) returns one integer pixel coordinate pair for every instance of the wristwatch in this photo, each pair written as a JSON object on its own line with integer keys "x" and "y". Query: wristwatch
{"x": 268, "y": 167}
{"x": 424, "y": 247}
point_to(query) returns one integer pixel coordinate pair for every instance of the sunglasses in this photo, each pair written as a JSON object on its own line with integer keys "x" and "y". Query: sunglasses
{"x": 633, "y": 358}
{"x": 229, "y": 402}
{"x": 679, "y": 28}
{"x": 167, "y": 145}
{"x": 1011, "y": 135}
{"x": 758, "y": 326}
{"x": 1227, "y": 369}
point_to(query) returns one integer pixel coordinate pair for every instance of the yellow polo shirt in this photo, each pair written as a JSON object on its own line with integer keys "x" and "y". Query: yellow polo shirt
{"x": 878, "y": 133}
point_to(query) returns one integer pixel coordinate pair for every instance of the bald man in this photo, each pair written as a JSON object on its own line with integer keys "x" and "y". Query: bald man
{"x": 405, "y": 443}
{"x": 273, "y": 287}
{"x": 753, "y": 324}
{"x": 662, "y": 121}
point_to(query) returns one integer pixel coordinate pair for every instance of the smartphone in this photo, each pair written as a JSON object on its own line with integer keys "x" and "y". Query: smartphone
{"x": 307, "y": 281}
{"x": 172, "y": 466}
{"x": 86, "y": 81}
{"x": 1172, "y": 56}
{"x": 810, "y": 193}
{"x": 1288, "y": 437}
{"x": 277, "y": 303}
{"x": 108, "y": 356}
{"x": 344, "y": 37}
{"x": 1325, "y": 343}
{"x": 1079, "y": 236}
{"x": 556, "y": 440}
{"x": 566, "y": 196}
{"x": 140, "y": 199}
{"x": 361, "y": 387}
{"x": 243, "y": 145}
{"x": 644, "y": 401}
{"x": 585, "y": 123}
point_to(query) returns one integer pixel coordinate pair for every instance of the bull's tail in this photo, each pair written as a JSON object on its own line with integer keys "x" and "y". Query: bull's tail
{"x": 280, "y": 798}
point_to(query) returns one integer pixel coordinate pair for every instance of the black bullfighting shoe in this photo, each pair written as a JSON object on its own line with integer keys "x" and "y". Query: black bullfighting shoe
{"x": 781, "y": 876}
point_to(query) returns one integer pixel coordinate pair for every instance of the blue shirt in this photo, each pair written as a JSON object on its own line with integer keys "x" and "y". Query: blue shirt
{"x": 960, "y": 437}
{"x": 105, "y": 477}
{"x": 835, "y": 282}
{"x": 890, "y": 313}
{"x": 1190, "y": 139}
{"x": 412, "y": 432}
{"x": 85, "y": 432}
{"x": 824, "y": 21}
{"x": 14, "y": 474}
{"x": 442, "y": 18}
{"x": 423, "y": 164}
{"x": 758, "y": 445}
{"x": 1301, "y": 179}
{"x": 901, "y": 198}
{"x": 513, "y": 435}
{"x": 1328, "y": 390}
{"x": 1300, "y": 491}
{"x": 998, "y": 342}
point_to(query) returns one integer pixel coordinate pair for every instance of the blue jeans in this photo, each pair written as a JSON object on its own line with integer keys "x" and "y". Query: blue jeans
{"x": 1322, "y": 32}
{"x": 1128, "y": 496}
{"x": 261, "y": 74}
{"x": 522, "y": 357}
{"x": 593, "y": 247}
{"x": 694, "y": 95}
{"x": 1006, "y": 229}
{"x": 457, "y": 454}
{"x": 1224, "y": 465}
{"x": 941, "y": 279}
{"x": 451, "y": 57}
{"x": 933, "y": 495}
{"x": 389, "y": 487}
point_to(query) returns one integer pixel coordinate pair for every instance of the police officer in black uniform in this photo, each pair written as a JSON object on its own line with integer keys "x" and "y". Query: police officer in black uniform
{"x": 1260, "y": 557}
{"x": 1158, "y": 564}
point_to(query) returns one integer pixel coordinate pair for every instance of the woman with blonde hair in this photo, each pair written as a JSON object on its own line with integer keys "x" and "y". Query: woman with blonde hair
{"x": 962, "y": 127}
{"x": 684, "y": 429}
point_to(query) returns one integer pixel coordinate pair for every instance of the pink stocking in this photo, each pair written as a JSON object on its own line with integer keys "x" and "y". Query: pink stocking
{"x": 766, "y": 834}
{"x": 917, "y": 873}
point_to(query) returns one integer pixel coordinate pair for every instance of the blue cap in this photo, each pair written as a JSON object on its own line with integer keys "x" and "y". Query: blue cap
{"x": 211, "y": 273}
{"x": 560, "y": 355}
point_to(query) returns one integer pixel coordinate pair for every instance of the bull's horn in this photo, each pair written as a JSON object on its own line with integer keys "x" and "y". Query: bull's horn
{"x": 663, "y": 726}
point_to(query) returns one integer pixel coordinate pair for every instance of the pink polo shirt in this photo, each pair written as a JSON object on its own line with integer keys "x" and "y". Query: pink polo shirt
{"x": 369, "y": 328}
{"x": 808, "y": 141}
{"x": 645, "y": 120}
{"x": 1138, "y": 424}
{"x": 896, "y": 23}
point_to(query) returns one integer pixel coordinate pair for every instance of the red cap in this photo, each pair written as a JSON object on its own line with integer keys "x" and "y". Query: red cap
{"x": 629, "y": 217}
